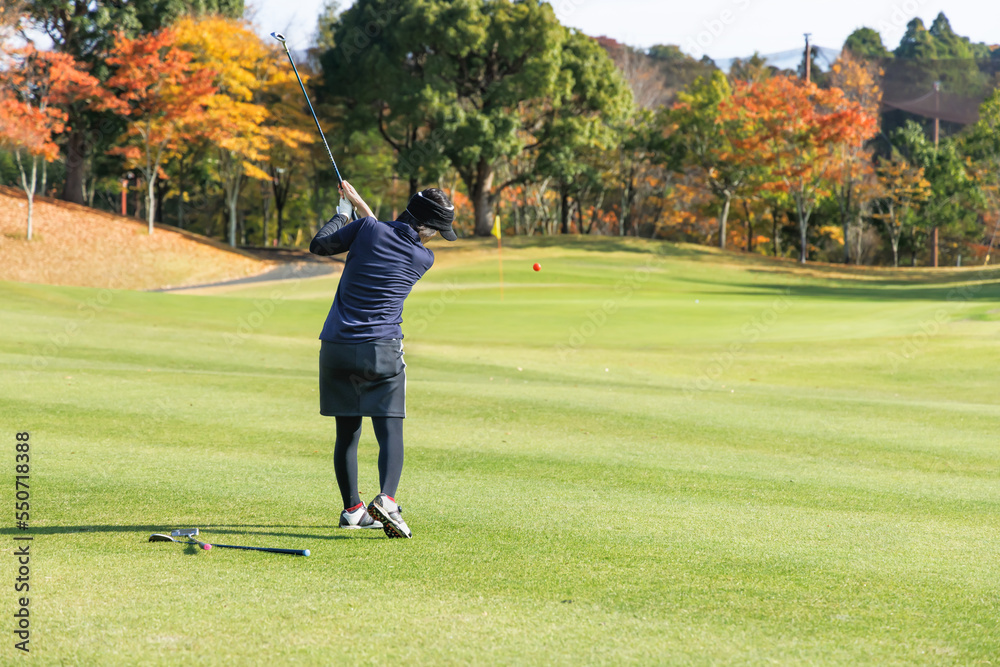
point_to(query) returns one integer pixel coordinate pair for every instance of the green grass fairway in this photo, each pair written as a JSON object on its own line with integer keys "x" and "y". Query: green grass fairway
{"x": 645, "y": 454}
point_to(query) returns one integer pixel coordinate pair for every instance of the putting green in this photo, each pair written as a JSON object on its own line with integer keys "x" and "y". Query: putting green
{"x": 645, "y": 453}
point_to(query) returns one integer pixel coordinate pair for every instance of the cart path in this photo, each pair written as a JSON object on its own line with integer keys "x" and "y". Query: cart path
{"x": 291, "y": 265}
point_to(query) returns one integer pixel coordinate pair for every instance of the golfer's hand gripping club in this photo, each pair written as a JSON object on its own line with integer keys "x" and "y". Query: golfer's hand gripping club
{"x": 347, "y": 192}
{"x": 345, "y": 208}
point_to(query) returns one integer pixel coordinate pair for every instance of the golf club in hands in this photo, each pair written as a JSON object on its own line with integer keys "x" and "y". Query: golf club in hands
{"x": 281, "y": 38}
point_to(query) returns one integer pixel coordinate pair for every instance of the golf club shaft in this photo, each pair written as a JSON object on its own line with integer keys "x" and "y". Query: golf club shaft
{"x": 293, "y": 552}
{"x": 192, "y": 540}
{"x": 311, "y": 110}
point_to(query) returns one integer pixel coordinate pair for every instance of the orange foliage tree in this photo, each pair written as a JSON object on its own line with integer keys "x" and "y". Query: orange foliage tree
{"x": 859, "y": 79}
{"x": 33, "y": 85}
{"x": 793, "y": 131}
{"x": 164, "y": 97}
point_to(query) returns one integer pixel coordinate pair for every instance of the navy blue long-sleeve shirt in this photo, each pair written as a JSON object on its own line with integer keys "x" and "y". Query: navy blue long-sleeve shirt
{"x": 385, "y": 260}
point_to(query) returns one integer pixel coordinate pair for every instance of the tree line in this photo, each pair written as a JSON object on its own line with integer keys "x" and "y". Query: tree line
{"x": 201, "y": 122}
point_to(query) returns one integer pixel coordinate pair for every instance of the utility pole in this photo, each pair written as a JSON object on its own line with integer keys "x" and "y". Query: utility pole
{"x": 808, "y": 58}
{"x": 935, "y": 237}
{"x": 937, "y": 112}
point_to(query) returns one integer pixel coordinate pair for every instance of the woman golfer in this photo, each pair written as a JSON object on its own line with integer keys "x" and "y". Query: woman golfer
{"x": 361, "y": 369}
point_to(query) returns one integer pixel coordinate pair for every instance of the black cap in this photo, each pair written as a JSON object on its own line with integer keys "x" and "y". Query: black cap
{"x": 431, "y": 214}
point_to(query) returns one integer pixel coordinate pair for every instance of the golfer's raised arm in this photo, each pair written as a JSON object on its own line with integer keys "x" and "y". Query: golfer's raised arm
{"x": 335, "y": 237}
{"x": 359, "y": 204}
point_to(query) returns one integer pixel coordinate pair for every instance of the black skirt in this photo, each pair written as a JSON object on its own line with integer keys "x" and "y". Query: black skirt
{"x": 362, "y": 379}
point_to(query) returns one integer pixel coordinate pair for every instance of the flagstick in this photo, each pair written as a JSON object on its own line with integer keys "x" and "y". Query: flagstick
{"x": 500, "y": 260}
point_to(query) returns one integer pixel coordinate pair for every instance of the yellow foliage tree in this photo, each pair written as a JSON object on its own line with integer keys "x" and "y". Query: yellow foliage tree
{"x": 903, "y": 188}
{"x": 291, "y": 132}
{"x": 239, "y": 123}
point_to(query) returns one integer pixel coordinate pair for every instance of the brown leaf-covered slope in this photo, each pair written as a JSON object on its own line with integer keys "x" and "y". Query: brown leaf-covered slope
{"x": 77, "y": 245}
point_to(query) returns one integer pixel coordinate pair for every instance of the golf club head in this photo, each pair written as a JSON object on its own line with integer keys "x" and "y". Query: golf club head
{"x": 159, "y": 537}
{"x": 184, "y": 532}
{"x": 278, "y": 36}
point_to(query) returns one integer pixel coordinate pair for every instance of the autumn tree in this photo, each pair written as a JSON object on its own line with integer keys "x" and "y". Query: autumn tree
{"x": 903, "y": 190}
{"x": 25, "y": 129}
{"x": 859, "y": 79}
{"x": 794, "y": 129}
{"x": 34, "y": 86}
{"x": 239, "y": 124}
{"x": 234, "y": 57}
{"x": 164, "y": 95}
{"x": 777, "y": 202}
{"x": 704, "y": 138}
{"x": 88, "y": 31}
{"x": 290, "y": 128}
{"x": 753, "y": 200}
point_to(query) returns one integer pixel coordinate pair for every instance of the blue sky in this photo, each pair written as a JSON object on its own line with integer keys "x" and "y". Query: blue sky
{"x": 718, "y": 28}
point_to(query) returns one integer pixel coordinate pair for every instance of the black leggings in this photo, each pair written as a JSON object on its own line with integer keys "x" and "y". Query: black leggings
{"x": 389, "y": 433}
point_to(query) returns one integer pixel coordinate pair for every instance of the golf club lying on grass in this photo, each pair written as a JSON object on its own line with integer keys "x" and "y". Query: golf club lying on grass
{"x": 191, "y": 532}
